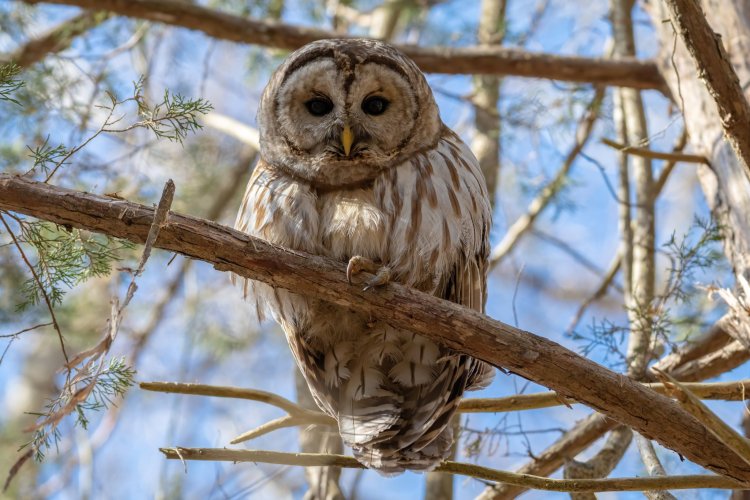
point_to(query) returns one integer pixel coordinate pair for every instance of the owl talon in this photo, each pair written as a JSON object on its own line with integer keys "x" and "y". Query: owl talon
{"x": 382, "y": 277}
{"x": 357, "y": 264}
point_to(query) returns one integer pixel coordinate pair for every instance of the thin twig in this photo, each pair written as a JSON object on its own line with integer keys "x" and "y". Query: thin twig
{"x": 575, "y": 255}
{"x": 229, "y": 392}
{"x": 601, "y": 291}
{"x": 464, "y": 469}
{"x": 656, "y": 155}
{"x": 278, "y": 423}
{"x": 11, "y": 335}
{"x": 616, "y": 264}
{"x": 538, "y": 204}
{"x": 42, "y": 290}
{"x": 724, "y": 391}
{"x": 85, "y": 143}
{"x": 160, "y": 219}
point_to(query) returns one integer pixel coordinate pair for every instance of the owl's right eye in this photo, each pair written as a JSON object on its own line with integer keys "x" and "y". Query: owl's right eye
{"x": 319, "y": 106}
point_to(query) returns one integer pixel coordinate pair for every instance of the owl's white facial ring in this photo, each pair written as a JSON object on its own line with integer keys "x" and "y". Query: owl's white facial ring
{"x": 364, "y": 111}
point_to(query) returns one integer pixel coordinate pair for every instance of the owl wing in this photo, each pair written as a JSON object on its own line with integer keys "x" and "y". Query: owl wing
{"x": 467, "y": 286}
{"x": 278, "y": 209}
{"x": 466, "y": 282}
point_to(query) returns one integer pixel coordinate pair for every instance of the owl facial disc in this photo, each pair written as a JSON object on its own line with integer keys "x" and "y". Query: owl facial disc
{"x": 338, "y": 112}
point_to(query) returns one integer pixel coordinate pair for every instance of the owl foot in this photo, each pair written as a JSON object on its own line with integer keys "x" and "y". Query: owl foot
{"x": 357, "y": 264}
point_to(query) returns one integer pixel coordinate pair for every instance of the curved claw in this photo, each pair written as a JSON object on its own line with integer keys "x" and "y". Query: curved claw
{"x": 357, "y": 264}
{"x": 382, "y": 277}
{"x": 351, "y": 269}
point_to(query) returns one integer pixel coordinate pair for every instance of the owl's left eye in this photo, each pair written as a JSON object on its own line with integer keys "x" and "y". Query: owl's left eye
{"x": 319, "y": 106}
{"x": 375, "y": 105}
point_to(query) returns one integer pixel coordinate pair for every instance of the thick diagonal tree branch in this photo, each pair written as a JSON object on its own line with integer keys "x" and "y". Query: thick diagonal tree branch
{"x": 707, "y": 358}
{"x": 531, "y": 356}
{"x": 466, "y": 60}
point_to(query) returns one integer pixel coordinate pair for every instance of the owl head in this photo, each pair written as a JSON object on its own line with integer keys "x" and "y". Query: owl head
{"x": 337, "y": 112}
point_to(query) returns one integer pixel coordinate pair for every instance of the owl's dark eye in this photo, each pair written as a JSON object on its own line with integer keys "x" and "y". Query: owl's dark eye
{"x": 375, "y": 105}
{"x": 319, "y": 106}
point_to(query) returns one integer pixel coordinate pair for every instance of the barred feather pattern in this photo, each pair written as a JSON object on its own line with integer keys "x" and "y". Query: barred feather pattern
{"x": 392, "y": 392}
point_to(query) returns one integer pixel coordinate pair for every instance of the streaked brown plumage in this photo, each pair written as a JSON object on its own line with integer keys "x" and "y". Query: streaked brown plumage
{"x": 343, "y": 175}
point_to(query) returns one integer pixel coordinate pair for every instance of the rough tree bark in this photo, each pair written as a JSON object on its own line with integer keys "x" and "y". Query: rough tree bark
{"x": 531, "y": 356}
{"x": 724, "y": 182}
{"x": 715, "y": 67}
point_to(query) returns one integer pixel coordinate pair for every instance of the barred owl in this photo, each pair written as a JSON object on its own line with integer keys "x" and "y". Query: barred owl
{"x": 356, "y": 165}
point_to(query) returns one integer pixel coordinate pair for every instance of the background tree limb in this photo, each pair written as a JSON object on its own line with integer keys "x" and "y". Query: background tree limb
{"x": 467, "y": 60}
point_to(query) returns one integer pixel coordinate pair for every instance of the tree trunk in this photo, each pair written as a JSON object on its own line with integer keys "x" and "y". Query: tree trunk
{"x": 486, "y": 142}
{"x": 724, "y": 183}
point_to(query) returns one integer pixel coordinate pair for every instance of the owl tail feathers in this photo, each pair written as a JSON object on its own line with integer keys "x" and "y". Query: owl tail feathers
{"x": 389, "y": 462}
{"x": 481, "y": 375}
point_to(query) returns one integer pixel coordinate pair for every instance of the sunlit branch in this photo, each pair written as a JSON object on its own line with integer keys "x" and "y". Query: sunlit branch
{"x": 449, "y": 60}
{"x": 464, "y": 469}
{"x": 723, "y": 431}
{"x": 655, "y": 155}
{"x": 723, "y": 391}
{"x": 653, "y": 466}
{"x": 56, "y": 40}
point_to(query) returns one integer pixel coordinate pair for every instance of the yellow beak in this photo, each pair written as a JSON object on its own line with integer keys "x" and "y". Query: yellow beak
{"x": 347, "y": 138}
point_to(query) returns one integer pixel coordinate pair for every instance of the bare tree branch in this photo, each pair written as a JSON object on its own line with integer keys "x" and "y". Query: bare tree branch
{"x": 711, "y": 341}
{"x": 531, "y": 356}
{"x": 639, "y": 293}
{"x": 601, "y": 464}
{"x": 655, "y": 155}
{"x": 712, "y": 364}
{"x": 466, "y": 60}
{"x": 55, "y": 40}
{"x": 653, "y": 465}
{"x": 486, "y": 141}
{"x": 723, "y": 391}
{"x": 472, "y": 470}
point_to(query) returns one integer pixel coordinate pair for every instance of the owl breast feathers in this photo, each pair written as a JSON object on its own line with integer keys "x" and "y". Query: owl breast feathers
{"x": 355, "y": 161}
